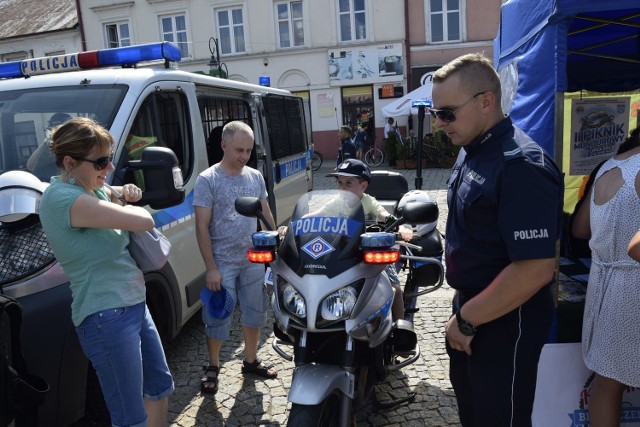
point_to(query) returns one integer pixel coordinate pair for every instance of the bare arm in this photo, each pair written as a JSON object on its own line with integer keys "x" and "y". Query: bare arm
{"x": 634, "y": 247}
{"x": 267, "y": 213}
{"x": 581, "y": 226}
{"x": 518, "y": 282}
{"x": 213, "y": 279}
{"x": 91, "y": 212}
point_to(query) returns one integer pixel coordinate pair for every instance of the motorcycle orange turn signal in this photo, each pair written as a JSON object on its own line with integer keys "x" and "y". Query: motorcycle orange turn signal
{"x": 381, "y": 257}
{"x": 260, "y": 255}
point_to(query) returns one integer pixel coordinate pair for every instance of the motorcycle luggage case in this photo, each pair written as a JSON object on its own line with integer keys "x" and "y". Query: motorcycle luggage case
{"x": 427, "y": 274}
{"x": 387, "y": 187}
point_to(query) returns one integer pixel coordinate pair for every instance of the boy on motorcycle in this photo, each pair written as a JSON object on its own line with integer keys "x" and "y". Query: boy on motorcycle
{"x": 354, "y": 176}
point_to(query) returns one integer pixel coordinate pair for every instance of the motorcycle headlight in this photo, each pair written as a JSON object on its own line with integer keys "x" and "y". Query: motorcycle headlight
{"x": 339, "y": 304}
{"x": 294, "y": 302}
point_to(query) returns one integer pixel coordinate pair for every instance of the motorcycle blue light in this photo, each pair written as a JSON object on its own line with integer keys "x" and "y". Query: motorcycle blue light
{"x": 377, "y": 240}
{"x": 265, "y": 239}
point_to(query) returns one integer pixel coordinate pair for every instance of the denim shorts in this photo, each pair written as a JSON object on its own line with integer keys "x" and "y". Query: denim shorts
{"x": 124, "y": 347}
{"x": 246, "y": 285}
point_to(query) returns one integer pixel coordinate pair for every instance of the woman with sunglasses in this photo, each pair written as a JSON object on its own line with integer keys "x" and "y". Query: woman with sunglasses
{"x": 87, "y": 228}
{"x": 505, "y": 207}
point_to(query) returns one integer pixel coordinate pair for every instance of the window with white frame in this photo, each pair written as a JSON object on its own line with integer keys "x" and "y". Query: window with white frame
{"x": 174, "y": 29}
{"x": 231, "y": 30}
{"x": 290, "y": 24}
{"x": 16, "y": 56}
{"x": 117, "y": 34}
{"x": 444, "y": 21}
{"x": 352, "y": 20}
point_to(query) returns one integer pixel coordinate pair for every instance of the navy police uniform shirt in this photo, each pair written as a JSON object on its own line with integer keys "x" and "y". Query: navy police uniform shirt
{"x": 505, "y": 198}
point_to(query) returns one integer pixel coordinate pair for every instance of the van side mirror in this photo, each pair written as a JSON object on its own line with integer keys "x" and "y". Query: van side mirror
{"x": 163, "y": 183}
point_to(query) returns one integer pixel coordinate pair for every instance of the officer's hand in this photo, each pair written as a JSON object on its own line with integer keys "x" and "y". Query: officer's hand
{"x": 457, "y": 341}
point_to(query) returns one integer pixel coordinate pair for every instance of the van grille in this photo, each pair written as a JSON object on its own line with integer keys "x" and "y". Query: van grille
{"x": 24, "y": 249}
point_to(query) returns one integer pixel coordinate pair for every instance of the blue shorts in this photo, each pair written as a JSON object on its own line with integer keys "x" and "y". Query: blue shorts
{"x": 246, "y": 285}
{"x": 125, "y": 349}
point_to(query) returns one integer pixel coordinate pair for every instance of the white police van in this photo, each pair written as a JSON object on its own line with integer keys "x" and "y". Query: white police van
{"x": 158, "y": 116}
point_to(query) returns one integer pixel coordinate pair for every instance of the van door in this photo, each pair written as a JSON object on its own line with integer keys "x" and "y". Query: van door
{"x": 163, "y": 116}
{"x": 286, "y": 151}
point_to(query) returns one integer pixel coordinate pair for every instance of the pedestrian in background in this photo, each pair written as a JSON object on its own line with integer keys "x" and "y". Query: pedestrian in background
{"x": 223, "y": 238}
{"x": 347, "y": 148}
{"x": 610, "y": 218}
{"x": 360, "y": 140}
{"x": 88, "y": 230}
{"x": 505, "y": 206}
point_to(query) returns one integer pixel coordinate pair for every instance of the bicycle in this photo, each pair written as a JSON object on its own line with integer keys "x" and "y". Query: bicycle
{"x": 316, "y": 160}
{"x": 438, "y": 154}
{"x": 374, "y": 156}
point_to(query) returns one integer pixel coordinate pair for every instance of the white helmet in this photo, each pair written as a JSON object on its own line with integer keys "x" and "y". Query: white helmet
{"x": 20, "y": 194}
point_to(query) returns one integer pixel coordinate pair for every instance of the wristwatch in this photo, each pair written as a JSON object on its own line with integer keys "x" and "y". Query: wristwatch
{"x": 465, "y": 328}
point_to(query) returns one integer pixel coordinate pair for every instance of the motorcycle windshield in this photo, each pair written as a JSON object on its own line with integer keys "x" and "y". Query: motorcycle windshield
{"x": 324, "y": 233}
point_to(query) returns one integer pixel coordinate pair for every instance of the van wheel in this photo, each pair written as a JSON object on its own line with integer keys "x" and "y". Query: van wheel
{"x": 155, "y": 304}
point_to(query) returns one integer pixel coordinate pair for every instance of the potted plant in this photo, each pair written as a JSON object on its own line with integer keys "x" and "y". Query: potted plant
{"x": 401, "y": 154}
{"x": 391, "y": 148}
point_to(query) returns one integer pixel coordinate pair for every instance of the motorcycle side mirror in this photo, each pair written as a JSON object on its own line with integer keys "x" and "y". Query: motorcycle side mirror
{"x": 251, "y": 207}
{"x": 420, "y": 212}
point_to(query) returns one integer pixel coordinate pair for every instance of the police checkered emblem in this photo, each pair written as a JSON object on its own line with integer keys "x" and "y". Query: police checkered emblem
{"x": 317, "y": 248}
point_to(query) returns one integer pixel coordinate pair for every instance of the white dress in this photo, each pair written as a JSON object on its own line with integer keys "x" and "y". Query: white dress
{"x": 611, "y": 327}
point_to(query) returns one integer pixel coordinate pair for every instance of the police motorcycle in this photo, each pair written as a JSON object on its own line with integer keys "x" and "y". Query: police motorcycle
{"x": 332, "y": 302}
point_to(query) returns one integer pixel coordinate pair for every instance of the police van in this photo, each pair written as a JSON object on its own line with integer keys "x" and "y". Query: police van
{"x": 167, "y": 125}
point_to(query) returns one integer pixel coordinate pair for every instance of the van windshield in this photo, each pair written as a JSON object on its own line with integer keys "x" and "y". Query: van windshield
{"x": 27, "y": 116}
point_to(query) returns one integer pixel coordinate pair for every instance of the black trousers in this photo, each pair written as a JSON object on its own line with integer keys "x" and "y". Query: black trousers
{"x": 495, "y": 386}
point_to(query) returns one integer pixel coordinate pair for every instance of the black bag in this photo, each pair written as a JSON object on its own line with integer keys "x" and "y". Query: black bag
{"x": 20, "y": 392}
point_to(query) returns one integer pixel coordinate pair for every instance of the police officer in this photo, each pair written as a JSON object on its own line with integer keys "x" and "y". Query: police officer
{"x": 505, "y": 206}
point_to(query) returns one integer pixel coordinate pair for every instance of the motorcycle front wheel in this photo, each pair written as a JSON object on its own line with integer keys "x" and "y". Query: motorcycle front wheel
{"x": 324, "y": 414}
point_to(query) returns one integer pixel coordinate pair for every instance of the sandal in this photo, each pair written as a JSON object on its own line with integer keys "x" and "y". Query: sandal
{"x": 206, "y": 381}
{"x": 259, "y": 369}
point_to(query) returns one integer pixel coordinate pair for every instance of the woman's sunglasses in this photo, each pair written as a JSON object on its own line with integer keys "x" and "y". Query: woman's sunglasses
{"x": 449, "y": 114}
{"x": 99, "y": 163}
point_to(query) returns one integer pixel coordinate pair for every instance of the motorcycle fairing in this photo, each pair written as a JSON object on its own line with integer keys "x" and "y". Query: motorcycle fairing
{"x": 325, "y": 379}
{"x": 323, "y": 235}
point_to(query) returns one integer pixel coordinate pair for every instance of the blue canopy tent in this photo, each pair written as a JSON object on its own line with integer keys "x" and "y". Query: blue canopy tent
{"x": 548, "y": 47}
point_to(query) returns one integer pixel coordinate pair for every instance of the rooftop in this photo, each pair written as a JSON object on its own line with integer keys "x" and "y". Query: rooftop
{"x": 28, "y": 17}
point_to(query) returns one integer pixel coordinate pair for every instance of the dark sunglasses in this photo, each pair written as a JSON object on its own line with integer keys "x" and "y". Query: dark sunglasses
{"x": 99, "y": 163}
{"x": 449, "y": 114}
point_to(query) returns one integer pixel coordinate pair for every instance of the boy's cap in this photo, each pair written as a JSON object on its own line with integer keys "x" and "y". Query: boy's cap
{"x": 220, "y": 304}
{"x": 353, "y": 167}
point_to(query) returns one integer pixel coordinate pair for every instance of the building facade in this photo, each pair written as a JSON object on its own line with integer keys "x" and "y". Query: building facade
{"x": 347, "y": 58}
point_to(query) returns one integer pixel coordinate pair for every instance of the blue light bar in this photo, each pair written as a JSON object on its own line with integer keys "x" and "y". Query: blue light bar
{"x": 120, "y": 56}
{"x": 377, "y": 240}
{"x": 10, "y": 70}
{"x": 138, "y": 53}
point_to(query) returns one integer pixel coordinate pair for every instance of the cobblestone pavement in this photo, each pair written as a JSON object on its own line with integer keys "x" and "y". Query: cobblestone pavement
{"x": 248, "y": 401}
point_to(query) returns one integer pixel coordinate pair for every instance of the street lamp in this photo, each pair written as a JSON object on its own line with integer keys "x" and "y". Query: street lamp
{"x": 215, "y": 66}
